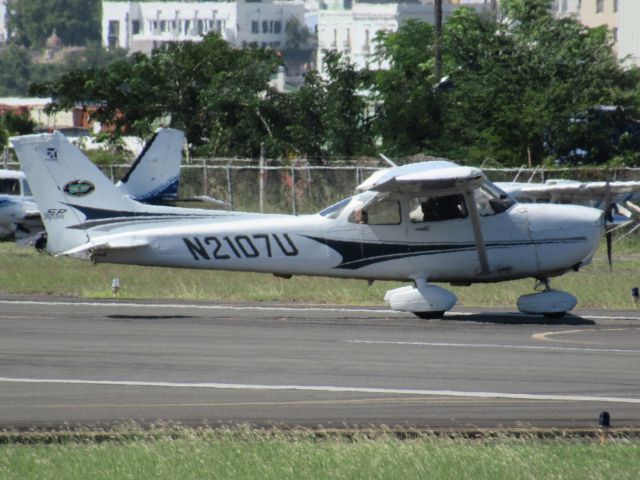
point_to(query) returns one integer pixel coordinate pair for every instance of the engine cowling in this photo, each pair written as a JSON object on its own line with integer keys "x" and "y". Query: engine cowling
{"x": 427, "y": 298}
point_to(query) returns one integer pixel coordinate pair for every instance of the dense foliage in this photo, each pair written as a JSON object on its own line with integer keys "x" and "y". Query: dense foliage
{"x": 31, "y": 22}
{"x": 20, "y": 66}
{"x": 525, "y": 89}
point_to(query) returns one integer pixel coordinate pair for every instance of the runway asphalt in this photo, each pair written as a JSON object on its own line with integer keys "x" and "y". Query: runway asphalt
{"x": 98, "y": 363}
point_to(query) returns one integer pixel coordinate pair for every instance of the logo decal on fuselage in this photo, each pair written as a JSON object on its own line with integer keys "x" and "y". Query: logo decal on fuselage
{"x": 79, "y": 188}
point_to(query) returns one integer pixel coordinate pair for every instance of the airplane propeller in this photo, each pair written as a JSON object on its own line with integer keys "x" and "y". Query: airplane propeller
{"x": 608, "y": 223}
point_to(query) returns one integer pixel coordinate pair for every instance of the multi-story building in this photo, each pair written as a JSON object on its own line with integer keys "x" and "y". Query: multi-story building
{"x": 594, "y": 13}
{"x": 3, "y": 21}
{"x": 628, "y": 32}
{"x": 622, "y": 18}
{"x": 350, "y": 26}
{"x": 565, "y": 8}
{"x": 142, "y": 26}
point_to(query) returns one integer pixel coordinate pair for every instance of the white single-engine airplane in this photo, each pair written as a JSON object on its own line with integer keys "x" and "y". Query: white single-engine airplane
{"x": 424, "y": 222}
{"x": 152, "y": 178}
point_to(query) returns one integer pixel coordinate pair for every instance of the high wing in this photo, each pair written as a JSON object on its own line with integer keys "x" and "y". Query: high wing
{"x": 567, "y": 191}
{"x": 423, "y": 177}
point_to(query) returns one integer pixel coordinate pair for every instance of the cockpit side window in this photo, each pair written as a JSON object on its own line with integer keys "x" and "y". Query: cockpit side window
{"x": 9, "y": 186}
{"x": 437, "y": 208}
{"x": 383, "y": 212}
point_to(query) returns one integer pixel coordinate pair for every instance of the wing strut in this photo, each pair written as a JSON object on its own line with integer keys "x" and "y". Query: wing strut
{"x": 477, "y": 230}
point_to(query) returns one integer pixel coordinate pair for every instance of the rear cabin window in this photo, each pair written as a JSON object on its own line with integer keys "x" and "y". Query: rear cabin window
{"x": 384, "y": 212}
{"x": 9, "y": 186}
{"x": 437, "y": 208}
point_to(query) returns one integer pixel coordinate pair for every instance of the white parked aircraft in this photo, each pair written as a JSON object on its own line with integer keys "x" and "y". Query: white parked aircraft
{"x": 593, "y": 194}
{"x": 425, "y": 222}
{"x": 152, "y": 178}
{"x": 19, "y": 215}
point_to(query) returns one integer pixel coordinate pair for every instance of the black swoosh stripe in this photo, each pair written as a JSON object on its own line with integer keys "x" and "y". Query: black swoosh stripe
{"x": 95, "y": 217}
{"x": 361, "y": 254}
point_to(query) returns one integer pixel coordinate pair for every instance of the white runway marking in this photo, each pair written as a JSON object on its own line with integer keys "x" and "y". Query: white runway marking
{"x": 617, "y": 351}
{"x": 380, "y": 311}
{"x": 205, "y": 307}
{"x": 327, "y": 388}
{"x": 283, "y": 309}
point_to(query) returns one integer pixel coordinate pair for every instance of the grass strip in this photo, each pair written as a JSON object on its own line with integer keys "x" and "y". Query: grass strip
{"x": 246, "y": 453}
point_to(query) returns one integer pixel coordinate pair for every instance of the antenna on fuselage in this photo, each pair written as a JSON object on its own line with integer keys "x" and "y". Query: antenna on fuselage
{"x": 387, "y": 160}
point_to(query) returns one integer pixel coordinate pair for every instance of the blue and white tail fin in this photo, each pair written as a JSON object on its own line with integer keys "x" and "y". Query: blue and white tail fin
{"x": 155, "y": 174}
{"x": 68, "y": 188}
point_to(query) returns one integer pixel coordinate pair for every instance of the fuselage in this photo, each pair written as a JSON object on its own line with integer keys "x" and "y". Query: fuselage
{"x": 523, "y": 241}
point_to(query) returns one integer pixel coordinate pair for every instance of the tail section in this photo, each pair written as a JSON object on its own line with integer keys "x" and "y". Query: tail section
{"x": 155, "y": 174}
{"x": 67, "y": 187}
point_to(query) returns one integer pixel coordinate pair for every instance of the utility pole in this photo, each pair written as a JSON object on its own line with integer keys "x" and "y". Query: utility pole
{"x": 437, "y": 8}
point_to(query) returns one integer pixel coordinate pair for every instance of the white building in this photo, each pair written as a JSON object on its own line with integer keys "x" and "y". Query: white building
{"x": 628, "y": 32}
{"x": 3, "y": 21}
{"x": 350, "y": 26}
{"x": 142, "y": 26}
{"x": 566, "y": 8}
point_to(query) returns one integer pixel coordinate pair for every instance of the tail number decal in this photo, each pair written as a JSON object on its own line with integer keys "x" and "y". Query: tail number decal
{"x": 240, "y": 246}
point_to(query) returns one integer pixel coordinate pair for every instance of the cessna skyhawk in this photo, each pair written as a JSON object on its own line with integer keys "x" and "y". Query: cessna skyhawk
{"x": 425, "y": 222}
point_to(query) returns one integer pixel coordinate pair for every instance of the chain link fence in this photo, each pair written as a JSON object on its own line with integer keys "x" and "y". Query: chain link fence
{"x": 299, "y": 188}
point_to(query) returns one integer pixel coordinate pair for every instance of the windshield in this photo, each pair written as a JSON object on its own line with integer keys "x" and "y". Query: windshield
{"x": 26, "y": 189}
{"x": 491, "y": 200}
{"x": 335, "y": 210}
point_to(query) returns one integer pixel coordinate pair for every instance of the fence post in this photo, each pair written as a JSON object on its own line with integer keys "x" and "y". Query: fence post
{"x": 229, "y": 186}
{"x": 261, "y": 177}
{"x": 293, "y": 191}
{"x": 205, "y": 179}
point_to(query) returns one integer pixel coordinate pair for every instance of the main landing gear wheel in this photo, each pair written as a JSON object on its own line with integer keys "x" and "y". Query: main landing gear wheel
{"x": 429, "y": 315}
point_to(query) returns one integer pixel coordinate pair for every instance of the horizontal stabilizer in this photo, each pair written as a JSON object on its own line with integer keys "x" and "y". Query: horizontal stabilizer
{"x": 103, "y": 245}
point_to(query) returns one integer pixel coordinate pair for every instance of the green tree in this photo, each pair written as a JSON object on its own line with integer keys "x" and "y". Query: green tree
{"x": 519, "y": 84}
{"x": 15, "y": 70}
{"x": 348, "y": 127}
{"x": 76, "y": 22}
{"x": 216, "y": 93}
{"x": 306, "y": 127}
{"x": 14, "y": 124}
{"x": 408, "y": 113}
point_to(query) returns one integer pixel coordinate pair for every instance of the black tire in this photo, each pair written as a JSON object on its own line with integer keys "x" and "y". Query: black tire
{"x": 554, "y": 314}
{"x": 429, "y": 315}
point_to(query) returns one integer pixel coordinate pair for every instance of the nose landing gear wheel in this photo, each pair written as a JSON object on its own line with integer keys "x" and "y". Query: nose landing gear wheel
{"x": 548, "y": 302}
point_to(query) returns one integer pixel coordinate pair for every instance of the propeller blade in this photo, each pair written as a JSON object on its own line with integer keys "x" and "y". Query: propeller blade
{"x": 608, "y": 205}
{"x": 608, "y": 218}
